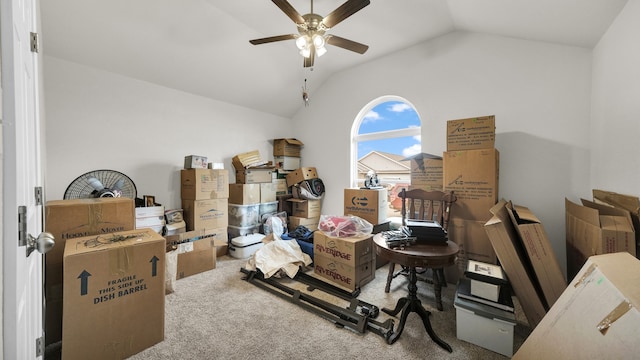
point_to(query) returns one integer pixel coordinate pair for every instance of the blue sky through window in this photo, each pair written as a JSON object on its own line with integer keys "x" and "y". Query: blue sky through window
{"x": 390, "y": 116}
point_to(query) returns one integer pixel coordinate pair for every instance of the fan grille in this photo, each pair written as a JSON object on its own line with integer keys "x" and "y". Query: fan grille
{"x": 80, "y": 188}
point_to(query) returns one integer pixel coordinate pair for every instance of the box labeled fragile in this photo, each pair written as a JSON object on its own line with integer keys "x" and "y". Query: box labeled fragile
{"x": 471, "y": 134}
{"x": 368, "y": 204}
{"x": 201, "y": 184}
{"x": 114, "y": 292}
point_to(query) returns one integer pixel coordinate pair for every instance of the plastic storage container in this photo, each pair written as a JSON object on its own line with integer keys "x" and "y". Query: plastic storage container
{"x": 235, "y": 231}
{"x": 244, "y": 246}
{"x": 268, "y": 208}
{"x": 244, "y": 215}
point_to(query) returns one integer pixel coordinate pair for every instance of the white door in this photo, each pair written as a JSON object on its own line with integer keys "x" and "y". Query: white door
{"x": 22, "y": 175}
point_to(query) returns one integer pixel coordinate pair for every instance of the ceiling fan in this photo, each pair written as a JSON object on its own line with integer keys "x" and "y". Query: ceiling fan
{"x": 312, "y": 38}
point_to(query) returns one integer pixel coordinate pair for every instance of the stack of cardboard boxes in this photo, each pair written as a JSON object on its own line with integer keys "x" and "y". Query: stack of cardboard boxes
{"x": 303, "y": 212}
{"x": 204, "y": 194}
{"x": 150, "y": 217}
{"x": 252, "y": 196}
{"x": 71, "y": 219}
{"x": 470, "y": 169}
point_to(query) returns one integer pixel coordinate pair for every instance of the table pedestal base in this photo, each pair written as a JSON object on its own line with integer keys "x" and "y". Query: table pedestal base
{"x": 411, "y": 303}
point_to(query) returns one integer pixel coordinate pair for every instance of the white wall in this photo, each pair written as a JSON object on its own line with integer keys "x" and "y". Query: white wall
{"x": 615, "y": 123}
{"x": 539, "y": 93}
{"x": 99, "y": 120}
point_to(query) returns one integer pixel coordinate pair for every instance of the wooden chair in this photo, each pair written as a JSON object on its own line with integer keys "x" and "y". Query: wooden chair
{"x": 425, "y": 205}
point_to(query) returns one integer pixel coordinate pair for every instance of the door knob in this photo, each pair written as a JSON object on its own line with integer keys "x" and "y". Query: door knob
{"x": 43, "y": 243}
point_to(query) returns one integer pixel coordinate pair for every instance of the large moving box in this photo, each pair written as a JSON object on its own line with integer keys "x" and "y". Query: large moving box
{"x": 471, "y": 133}
{"x": 114, "y": 292}
{"x": 596, "y": 317}
{"x": 594, "y": 229}
{"x": 368, "y": 204}
{"x": 348, "y": 262}
{"x": 206, "y": 214}
{"x": 473, "y": 176}
{"x": 426, "y": 172}
{"x": 201, "y": 184}
{"x": 73, "y": 218}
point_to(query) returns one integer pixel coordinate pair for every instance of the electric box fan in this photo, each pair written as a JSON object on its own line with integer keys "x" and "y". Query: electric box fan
{"x": 101, "y": 183}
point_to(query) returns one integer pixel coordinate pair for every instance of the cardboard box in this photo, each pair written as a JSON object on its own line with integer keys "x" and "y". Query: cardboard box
{"x": 473, "y": 176}
{"x": 596, "y": 317}
{"x": 287, "y": 162}
{"x": 426, "y": 171}
{"x": 195, "y": 162}
{"x": 594, "y": 229}
{"x": 368, "y": 204}
{"x": 305, "y": 208}
{"x": 343, "y": 275}
{"x": 255, "y": 175}
{"x": 309, "y": 223}
{"x": 197, "y": 250}
{"x": 515, "y": 263}
{"x": 356, "y": 250}
{"x": 268, "y": 191}
{"x": 287, "y": 147}
{"x": 299, "y": 175}
{"x": 247, "y": 160}
{"x": 536, "y": 243}
{"x": 114, "y": 293}
{"x": 206, "y": 214}
{"x": 244, "y": 194}
{"x": 626, "y": 202}
{"x": 471, "y": 134}
{"x": 73, "y": 218}
{"x": 201, "y": 184}
{"x": 474, "y": 244}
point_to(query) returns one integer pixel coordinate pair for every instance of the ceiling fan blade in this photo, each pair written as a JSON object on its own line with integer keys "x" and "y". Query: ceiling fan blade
{"x": 308, "y": 61}
{"x": 344, "y": 11}
{"x": 289, "y": 10}
{"x": 273, "y": 39}
{"x": 347, "y": 44}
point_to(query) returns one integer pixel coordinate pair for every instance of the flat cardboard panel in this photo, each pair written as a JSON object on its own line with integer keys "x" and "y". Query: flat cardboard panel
{"x": 73, "y": 218}
{"x": 535, "y": 241}
{"x": 472, "y": 133}
{"x": 201, "y": 184}
{"x": 473, "y": 176}
{"x": 244, "y": 194}
{"x": 368, "y": 204}
{"x": 114, "y": 293}
{"x": 604, "y": 292}
{"x": 504, "y": 239}
{"x": 206, "y": 214}
{"x": 351, "y": 251}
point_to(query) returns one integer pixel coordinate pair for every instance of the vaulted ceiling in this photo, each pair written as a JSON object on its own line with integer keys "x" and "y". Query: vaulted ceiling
{"x": 202, "y": 46}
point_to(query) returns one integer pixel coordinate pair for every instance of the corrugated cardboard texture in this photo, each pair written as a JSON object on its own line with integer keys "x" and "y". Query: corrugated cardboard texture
{"x": 471, "y": 133}
{"x": 515, "y": 263}
{"x": 351, "y": 251}
{"x": 369, "y": 204}
{"x": 206, "y": 214}
{"x": 202, "y": 184}
{"x": 114, "y": 294}
{"x": 596, "y": 317}
{"x": 287, "y": 147}
{"x": 473, "y": 176}
{"x": 343, "y": 275}
{"x": 73, "y": 218}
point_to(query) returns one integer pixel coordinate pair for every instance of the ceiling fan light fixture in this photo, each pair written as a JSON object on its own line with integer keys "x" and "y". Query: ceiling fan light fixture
{"x": 318, "y": 41}
{"x": 306, "y": 52}
{"x": 321, "y": 51}
{"x": 302, "y": 42}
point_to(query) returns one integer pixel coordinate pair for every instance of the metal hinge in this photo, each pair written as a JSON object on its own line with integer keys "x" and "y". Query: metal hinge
{"x": 40, "y": 346}
{"x": 38, "y": 195}
{"x": 35, "y": 46}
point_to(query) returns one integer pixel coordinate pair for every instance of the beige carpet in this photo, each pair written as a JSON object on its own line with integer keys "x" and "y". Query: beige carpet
{"x": 218, "y": 315}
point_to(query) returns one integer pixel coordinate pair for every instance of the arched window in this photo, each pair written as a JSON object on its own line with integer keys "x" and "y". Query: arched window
{"x": 386, "y": 131}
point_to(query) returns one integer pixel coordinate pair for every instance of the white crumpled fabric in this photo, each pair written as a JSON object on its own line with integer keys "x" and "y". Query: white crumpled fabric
{"x": 276, "y": 255}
